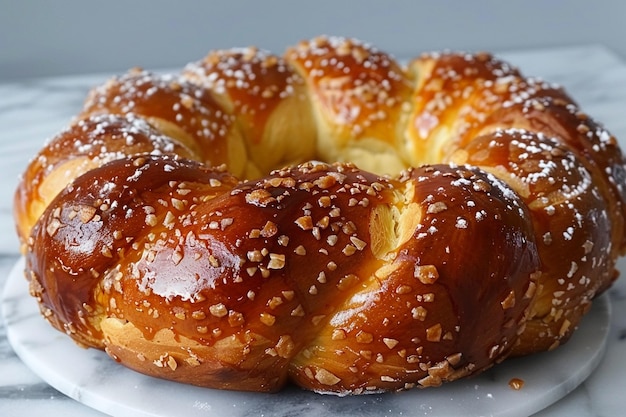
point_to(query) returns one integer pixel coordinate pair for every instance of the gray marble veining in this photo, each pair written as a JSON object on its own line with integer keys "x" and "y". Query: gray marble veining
{"x": 31, "y": 112}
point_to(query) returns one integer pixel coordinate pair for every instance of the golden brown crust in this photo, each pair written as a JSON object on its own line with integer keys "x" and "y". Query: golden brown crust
{"x": 198, "y": 263}
{"x": 86, "y": 144}
{"x": 358, "y": 95}
{"x": 406, "y": 318}
{"x": 267, "y": 99}
{"x": 178, "y": 108}
{"x": 154, "y": 229}
{"x": 571, "y": 225}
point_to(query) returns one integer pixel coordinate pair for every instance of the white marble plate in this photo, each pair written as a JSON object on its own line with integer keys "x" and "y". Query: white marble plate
{"x": 91, "y": 377}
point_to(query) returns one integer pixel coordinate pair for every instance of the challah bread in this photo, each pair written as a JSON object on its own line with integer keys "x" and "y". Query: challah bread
{"x": 461, "y": 214}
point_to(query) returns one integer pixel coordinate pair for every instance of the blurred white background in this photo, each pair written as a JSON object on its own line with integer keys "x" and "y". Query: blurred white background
{"x": 43, "y": 37}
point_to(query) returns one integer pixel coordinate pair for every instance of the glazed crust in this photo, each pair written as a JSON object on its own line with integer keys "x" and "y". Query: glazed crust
{"x": 462, "y": 214}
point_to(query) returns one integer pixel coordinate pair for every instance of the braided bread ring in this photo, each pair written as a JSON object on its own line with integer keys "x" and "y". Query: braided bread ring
{"x": 464, "y": 214}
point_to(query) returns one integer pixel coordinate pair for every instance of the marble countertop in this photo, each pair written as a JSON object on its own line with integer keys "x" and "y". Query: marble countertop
{"x": 32, "y": 111}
